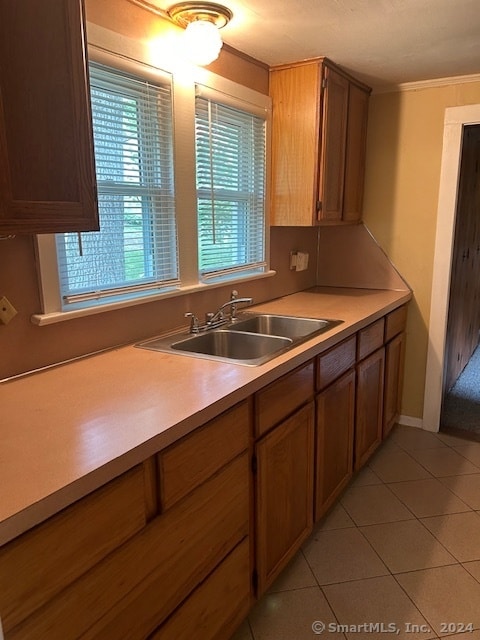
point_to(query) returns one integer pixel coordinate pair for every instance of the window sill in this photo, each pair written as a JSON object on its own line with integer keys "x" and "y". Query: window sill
{"x": 42, "y": 319}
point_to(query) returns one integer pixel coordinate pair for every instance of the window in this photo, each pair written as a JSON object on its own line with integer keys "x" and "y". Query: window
{"x": 136, "y": 247}
{"x": 181, "y": 173}
{"x": 230, "y": 163}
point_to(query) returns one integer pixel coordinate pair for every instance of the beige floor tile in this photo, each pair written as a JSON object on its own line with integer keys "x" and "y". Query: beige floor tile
{"x": 373, "y": 505}
{"x": 458, "y": 532}
{"x": 296, "y": 575}
{"x": 466, "y": 487}
{"x": 338, "y": 556}
{"x": 444, "y": 462}
{"x": 451, "y": 440}
{"x": 376, "y": 600}
{"x": 466, "y": 635}
{"x": 290, "y": 615}
{"x": 397, "y": 466}
{"x": 406, "y": 546}
{"x": 428, "y": 497}
{"x": 413, "y": 439}
{"x": 243, "y": 633}
{"x": 471, "y": 451}
{"x": 336, "y": 518}
{"x": 443, "y": 595}
{"x": 473, "y": 568}
{"x": 364, "y": 478}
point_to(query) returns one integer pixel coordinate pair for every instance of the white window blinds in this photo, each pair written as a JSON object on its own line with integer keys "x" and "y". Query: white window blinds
{"x": 230, "y": 164}
{"x": 136, "y": 247}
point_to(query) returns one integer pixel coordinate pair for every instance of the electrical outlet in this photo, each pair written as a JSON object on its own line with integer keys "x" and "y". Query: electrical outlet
{"x": 7, "y": 310}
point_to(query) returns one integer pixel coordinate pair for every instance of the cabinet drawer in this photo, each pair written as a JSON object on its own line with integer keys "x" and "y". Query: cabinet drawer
{"x": 335, "y": 362}
{"x": 217, "y": 606}
{"x": 135, "y": 588}
{"x": 188, "y": 463}
{"x": 395, "y": 322}
{"x": 44, "y": 561}
{"x": 370, "y": 339}
{"x": 279, "y": 399}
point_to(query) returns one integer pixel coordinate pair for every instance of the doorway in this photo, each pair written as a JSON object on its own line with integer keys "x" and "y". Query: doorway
{"x": 456, "y": 119}
{"x": 461, "y": 372}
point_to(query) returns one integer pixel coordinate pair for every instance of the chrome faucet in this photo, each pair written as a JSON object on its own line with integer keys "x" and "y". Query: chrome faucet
{"x": 218, "y": 318}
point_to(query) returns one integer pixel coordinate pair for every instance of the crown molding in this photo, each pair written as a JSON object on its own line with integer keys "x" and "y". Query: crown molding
{"x": 429, "y": 84}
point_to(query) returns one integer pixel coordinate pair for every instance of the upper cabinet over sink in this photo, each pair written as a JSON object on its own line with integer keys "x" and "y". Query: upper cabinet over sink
{"x": 318, "y": 144}
{"x": 47, "y": 167}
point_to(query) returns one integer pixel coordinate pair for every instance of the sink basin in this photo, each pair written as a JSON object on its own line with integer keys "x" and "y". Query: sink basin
{"x": 252, "y": 340}
{"x": 287, "y": 326}
{"x": 232, "y": 345}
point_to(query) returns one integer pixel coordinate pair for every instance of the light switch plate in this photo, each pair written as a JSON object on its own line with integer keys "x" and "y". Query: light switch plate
{"x": 7, "y": 310}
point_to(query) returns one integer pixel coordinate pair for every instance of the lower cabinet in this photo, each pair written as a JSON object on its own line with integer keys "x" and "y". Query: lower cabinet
{"x": 284, "y": 493}
{"x": 334, "y": 441}
{"x": 369, "y": 406}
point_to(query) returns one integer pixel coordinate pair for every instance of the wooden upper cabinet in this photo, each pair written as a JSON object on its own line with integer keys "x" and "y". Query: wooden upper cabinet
{"x": 47, "y": 168}
{"x": 318, "y": 144}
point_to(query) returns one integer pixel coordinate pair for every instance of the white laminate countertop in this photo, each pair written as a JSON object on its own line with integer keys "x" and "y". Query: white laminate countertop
{"x": 69, "y": 429}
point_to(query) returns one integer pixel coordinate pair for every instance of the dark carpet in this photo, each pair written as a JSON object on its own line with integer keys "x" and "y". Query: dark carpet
{"x": 461, "y": 405}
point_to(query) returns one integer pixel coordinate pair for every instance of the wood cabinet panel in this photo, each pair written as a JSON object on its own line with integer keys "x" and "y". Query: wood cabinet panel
{"x": 395, "y": 322}
{"x": 284, "y": 493}
{"x": 133, "y": 590}
{"x": 370, "y": 338}
{"x": 295, "y": 143}
{"x": 394, "y": 360}
{"x": 334, "y": 441}
{"x": 335, "y": 362}
{"x": 44, "y": 561}
{"x": 217, "y": 606}
{"x": 369, "y": 406}
{"x": 47, "y": 168}
{"x": 334, "y": 135}
{"x": 279, "y": 399}
{"x": 355, "y": 153}
{"x": 188, "y": 463}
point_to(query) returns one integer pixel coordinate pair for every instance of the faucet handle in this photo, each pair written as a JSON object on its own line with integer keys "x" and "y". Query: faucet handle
{"x": 194, "y": 327}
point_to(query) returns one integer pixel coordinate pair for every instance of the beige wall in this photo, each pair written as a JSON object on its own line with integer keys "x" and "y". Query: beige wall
{"x": 404, "y": 153}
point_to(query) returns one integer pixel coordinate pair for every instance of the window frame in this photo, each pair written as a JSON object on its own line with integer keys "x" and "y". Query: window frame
{"x": 184, "y": 89}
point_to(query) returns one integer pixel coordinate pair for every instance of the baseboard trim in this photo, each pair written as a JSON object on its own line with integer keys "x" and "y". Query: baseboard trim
{"x": 410, "y": 421}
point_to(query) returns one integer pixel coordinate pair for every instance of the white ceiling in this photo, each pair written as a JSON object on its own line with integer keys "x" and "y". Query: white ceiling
{"x": 383, "y": 42}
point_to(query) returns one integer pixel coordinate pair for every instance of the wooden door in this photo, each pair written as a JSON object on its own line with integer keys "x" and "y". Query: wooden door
{"x": 334, "y": 441}
{"x": 369, "y": 404}
{"x": 334, "y": 132}
{"x": 47, "y": 168}
{"x": 284, "y": 493}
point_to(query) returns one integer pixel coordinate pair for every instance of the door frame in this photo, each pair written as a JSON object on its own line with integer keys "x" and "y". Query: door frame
{"x": 455, "y": 120}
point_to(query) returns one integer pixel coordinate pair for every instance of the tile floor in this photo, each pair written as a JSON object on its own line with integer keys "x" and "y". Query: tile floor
{"x": 401, "y": 547}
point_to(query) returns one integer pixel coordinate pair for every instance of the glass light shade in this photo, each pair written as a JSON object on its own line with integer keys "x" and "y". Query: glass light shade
{"x": 203, "y": 42}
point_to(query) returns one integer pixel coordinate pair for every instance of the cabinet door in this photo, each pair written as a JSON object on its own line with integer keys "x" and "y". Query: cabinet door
{"x": 284, "y": 493}
{"x": 334, "y": 132}
{"x": 394, "y": 357}
{"x": 47, "y": 176}
{"x": 369, "y": 405}
{"x": 334, "y": 441}
{"x": 355, "y": 153}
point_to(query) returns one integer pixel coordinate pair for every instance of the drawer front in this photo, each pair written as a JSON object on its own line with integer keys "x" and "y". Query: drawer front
{"x": 370, "y": 339}
{"x": 395, "y": 322}
{"x": 188, "y": 463}
{"x": 335, "y": 362}
{"x": 217, "y": 606}
{"x": 279, "y": 399}
{"x": 132, "y": 591}
{"x": 44, "y": 561}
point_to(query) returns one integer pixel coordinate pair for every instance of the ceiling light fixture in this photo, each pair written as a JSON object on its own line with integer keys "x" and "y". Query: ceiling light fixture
{"x": 201, "y": 21}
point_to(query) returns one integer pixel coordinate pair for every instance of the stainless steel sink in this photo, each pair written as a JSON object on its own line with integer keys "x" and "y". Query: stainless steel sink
{"x": 232, "y": 345}
{"x": 287, "y": 326}
{"x": 252, "y": 340}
